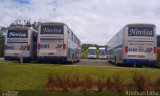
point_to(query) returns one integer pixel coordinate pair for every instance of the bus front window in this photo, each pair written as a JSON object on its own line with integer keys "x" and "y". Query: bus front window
{"x": 102, "y": 52}
{"x": 92, "y": 52}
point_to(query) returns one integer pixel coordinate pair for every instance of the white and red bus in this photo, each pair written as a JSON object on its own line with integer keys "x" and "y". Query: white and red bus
{"x": 20, "y": 41}
{"x": 92, "y": 52}
{"x": 57, "y": 43}
{"x": 134, "y": 44}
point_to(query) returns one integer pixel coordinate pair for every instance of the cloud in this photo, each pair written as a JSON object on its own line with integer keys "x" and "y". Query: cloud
{"x": 93, "y": 21}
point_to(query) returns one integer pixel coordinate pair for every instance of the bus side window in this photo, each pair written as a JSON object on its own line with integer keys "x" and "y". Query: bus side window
{"x": 72, "y": 36}
{"x": 69, "y": 35}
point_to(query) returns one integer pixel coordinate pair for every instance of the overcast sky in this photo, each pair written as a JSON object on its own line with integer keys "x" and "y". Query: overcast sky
{"x": 93, "y": 21}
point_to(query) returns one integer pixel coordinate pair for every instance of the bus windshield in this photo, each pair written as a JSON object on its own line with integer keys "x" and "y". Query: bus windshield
{"x": 102, "y": 52}
{"x": 91, "y": 51}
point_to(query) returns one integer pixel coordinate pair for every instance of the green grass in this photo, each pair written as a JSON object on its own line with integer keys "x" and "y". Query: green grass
{"x": 27, "y": 76}
{"x": 34, "y": 76}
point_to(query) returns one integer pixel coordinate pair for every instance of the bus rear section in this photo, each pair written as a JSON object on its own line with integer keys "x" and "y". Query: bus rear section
{"x": 51, "y": 43}
{"x": 92, "y": 53}
{"x": 140, "y": 45}
{"x": 16, "y": 44}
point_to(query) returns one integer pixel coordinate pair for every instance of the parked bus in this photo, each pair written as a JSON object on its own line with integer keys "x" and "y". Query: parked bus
{"x": 158, "y": 41}
{"x": 57, "y": 43}
{"x": 92, "y": 51}
{"x": 20, "y": 41}
{"x": 135, "y": 44}
{"x": 102, "y": 53}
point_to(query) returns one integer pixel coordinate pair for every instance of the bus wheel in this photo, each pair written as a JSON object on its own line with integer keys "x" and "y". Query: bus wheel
{"x": 72, "y": 58}
{"x": 72, "y": 61}
{"x": 116, "y": 61}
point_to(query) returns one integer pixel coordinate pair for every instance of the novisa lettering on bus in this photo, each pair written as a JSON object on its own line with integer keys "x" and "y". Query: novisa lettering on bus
{"x": 52, "y": 30}
{"x": 138, "y": 31}
{"x": 17, "y": 34}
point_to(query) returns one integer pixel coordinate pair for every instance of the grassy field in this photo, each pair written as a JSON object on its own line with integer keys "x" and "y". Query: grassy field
{"x": 27, "y": 76}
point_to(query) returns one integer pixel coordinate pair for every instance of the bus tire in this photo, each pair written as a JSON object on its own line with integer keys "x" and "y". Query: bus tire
{"x": 70, "y": 62}
{"x": 116, "y": 61}
{"x": 72, "y": 59}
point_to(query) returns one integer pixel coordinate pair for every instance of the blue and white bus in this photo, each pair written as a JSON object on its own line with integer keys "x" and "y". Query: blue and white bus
{"x": 92, "y": 53}
{"x": 102, "y": 53}
{"x": 20, "y": 41}
{"x": 57, "y": 43}
{"x": 134, "y": 44}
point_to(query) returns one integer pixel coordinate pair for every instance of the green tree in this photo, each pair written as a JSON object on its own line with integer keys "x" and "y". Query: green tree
{"x": 2, "y": 32}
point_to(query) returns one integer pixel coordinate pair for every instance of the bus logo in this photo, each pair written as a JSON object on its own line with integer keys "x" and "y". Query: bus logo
{"x": 140, "y": 31}
{"x": 52, "y": 29}
{"x": 17, "y": 34}
{"x": 148, "y": 50}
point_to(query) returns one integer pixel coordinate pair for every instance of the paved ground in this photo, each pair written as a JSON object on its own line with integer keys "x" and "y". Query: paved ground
{"x": 1, "y": 59}
{"x": 87, "y": 62}
{"x": 93, "y": 62}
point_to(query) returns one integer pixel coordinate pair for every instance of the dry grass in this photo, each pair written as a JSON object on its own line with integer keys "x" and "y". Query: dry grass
{"x": 140, "y": 82}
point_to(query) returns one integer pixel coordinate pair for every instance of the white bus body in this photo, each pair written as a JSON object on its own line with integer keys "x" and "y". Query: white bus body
{"x": 57, "y": 43}
{"x": 134, "y": 44}
{"x": 102, "y": 53}
{"x": 92, "y": 51}
{"x": 20, "y": 41}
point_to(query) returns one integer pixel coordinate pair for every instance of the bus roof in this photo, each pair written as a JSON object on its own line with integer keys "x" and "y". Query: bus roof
{"x": 102, "y": 48}
{"x": 50, "y": 23}
{"x": 92, "y": 48}
{"x": 17, "y": 27}
{"x": 20, "y": 28}
{"x": 140, "y": 24}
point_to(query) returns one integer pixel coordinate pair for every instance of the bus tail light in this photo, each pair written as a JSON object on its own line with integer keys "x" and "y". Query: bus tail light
{"x": 155, "y": 49}
{"x": 126, "y": 49}
{"x": 38, "y": 46}
{"x": 64, "y": 46}
{"x": 28, "y": 47}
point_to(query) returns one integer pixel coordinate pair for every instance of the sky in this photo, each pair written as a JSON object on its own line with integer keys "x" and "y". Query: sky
{"x": 93, "y": 21}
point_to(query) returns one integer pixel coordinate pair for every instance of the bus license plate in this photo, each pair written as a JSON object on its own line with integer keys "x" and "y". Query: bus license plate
{"x": 50, "y": 54}
{"x": 140, "y": 56}
{"x": 15, "y": 54}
